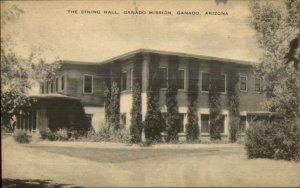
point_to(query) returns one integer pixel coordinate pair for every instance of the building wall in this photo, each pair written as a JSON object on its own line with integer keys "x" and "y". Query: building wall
{"x": 98, "y": 116}
{"x": 73, "y": 85}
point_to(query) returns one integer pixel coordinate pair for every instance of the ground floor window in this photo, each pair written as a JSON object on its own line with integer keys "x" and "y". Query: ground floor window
{"x": 180, "y": 120}
{"x": 242, "y": 126}
{"x": 89, "y": 118}
{"x": 205, "y": 124}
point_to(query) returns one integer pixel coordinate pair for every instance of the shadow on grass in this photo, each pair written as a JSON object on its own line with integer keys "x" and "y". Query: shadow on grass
{"x": 7, "y": 182}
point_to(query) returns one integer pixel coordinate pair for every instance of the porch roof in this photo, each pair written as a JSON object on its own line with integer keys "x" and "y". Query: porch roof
{"x": 52, "y": 96}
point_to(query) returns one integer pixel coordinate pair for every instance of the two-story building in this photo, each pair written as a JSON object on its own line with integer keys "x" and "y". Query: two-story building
{"x": 87, "y": 82}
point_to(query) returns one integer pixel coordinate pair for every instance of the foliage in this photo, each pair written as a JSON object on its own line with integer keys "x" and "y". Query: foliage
{"x": 216, "y": 120}
{"x": 192, "y": 127}
{"x": 154, "y": 122}
{"x": 61, "y": 135}
{"x": 136, "y": 115}
{"x": 278, "y": 35}
{"x": 274, "y": 139}
{"x": 172, "y": 119}
{"x": 112, "y": 95}
{"x": 233, "y": 104}
{"x": 108, "y": 134}
{"x": 18, "y": 74}
{"x": 21, "y": 136}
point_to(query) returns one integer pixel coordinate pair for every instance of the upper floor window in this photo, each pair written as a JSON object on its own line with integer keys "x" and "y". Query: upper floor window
{"x": 218, "y": 81}
{"x": 243, "y": 83}
{"x": 205, "y": 81}
{"x": 162, "y": 77}
{"x": 124, "y": 81}
{"x": 56, "y": 84}
{"x": 62, "y": 83}
{"x": 180, "y": 81}
{"x": 257, "y": 84}
{"x": 88, "y": 84}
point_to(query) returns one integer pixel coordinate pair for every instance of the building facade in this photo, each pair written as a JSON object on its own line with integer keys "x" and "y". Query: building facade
{"x": 88, "y": 81}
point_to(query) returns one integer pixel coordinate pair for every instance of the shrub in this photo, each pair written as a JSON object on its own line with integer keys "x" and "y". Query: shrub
{"x": 108, "y": 134}
{"x": 61, "y": 135}
{"x": 21, "y": 136}
{"x": 276, "y": 139}
{"x": 47, "y": 134}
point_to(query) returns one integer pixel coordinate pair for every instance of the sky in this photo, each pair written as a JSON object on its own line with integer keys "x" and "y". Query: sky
{"x": 48, "y": 26}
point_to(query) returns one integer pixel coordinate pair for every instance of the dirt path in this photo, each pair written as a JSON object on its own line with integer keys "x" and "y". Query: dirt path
{"x": 71, "y": 166}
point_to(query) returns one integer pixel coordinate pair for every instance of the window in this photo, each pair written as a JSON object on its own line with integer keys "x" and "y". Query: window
{"x": 124, "y": 81}
{"x": 129, "y": 79}
{"x": 123, "y": 120}
{"x": 63, "y": 83}
{"x": 220, "y": 82}
{"x": 51, "y": 87}
{"x": 205, "y": 123}
{"x": 47, "y": 87}
{"x": 242, "y": 126}
{"x": 205, "y": 81}
{"x": 181, "y": 124}
{"x": 257, "y": 84}
{"x": 89, "y": 118}
{"x": 162, "y": 77}
{"x": 42, "y": 88}
{"x": 180, "y": 81}
{"x": 243, "y": 83}
{"x": 216, "y": 81}
{"x": 88, "y": 84}
{"x": 56, "y": 84}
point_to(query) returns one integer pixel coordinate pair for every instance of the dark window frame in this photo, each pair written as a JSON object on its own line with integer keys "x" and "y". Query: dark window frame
{"x": 91, "y": 89}
{"x": 243, "y": 85}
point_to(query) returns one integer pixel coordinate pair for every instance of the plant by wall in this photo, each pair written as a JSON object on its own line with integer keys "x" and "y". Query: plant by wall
{"x": 136, "y": 111}
{"x": 107, "y": 92}
{"x": 114, "y": 104}
{"x": 233, "y": 103}
{"x": 154, "y": 122}
{"x": 216, "y": 120}
{"x": 192, "y": 127}
{"x": 173, "y": 119}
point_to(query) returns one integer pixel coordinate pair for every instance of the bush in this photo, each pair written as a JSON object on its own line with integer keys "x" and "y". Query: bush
{"x": 276, "y": 139}
{"x": 61, "y": 135}
{"x": 108, "y": 134}
{"x": 21, "y": 136}
{"x": 47, "y": 134}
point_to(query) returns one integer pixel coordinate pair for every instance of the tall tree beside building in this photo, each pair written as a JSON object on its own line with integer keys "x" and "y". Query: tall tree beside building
{"x": 173, "y": 119}
{"x": 216, "y": 118}
{"x": 114, "y": 102}
{"x": 192, "y": 127}
{"x": 278, "y": 35}
{"x": 233, "y": 103}
{"x": 136, "y": 111}
{"x": 154, "y": 122}
{"x": 18, "y": 75}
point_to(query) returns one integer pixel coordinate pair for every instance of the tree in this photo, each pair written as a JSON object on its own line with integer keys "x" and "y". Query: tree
{"x": 278, "y": 36}
{"x": 18, "y": 74}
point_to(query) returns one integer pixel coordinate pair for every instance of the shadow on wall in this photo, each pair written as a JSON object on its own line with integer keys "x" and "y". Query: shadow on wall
{"x": 6, "y": 182}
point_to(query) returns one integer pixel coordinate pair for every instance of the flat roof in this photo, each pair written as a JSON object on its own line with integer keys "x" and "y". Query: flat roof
{"x": 200, "y": 57}
{"x": 143, "y": 50}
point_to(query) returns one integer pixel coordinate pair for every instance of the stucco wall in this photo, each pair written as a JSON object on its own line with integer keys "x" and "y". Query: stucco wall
{"x": 98, "y": 119}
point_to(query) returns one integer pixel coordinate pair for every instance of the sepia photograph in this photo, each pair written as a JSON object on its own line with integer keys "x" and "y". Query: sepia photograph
{"x": 150, "y": 93}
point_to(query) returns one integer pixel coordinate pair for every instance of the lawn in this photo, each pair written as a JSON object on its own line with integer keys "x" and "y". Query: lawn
{"x": 90, "y": 165}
